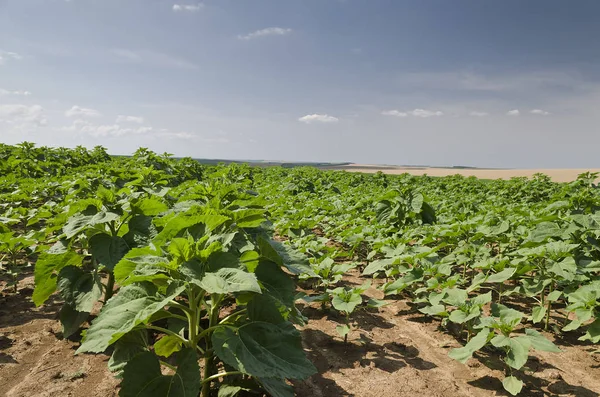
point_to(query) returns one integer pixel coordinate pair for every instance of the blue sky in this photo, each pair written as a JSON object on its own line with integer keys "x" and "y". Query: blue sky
{"x": 483, "y": 83}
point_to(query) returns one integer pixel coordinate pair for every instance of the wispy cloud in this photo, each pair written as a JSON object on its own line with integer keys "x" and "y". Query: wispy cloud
{"x": 188, "y": 7}
{"x": 6, "y": 56}
{"x": 540, "y": 112}
{"x": 152, "y": 58}
{"x": 129, "y": 119}
{"x": 422, "y": 113}
{"x": 395, "y": 113}
{"x": 513, "y": 113}
{"x": 478, "y": 114}
{"x": 81, "y": 126}
{"x": 22, "y": 117}
{"x": 4, "y": 92}
{"x": 318, "y": 118}
{"x": 78, "y": 111}
{"x": 266, "y": 32}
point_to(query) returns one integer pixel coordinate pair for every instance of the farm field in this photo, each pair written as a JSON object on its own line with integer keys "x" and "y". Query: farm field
{"x": 555, "y": 174}
{"x": 153, "y": 276}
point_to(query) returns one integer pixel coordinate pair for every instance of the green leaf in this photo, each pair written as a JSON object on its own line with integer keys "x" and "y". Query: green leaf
{"x": 79, "y": 289}
{"x": 545, "y": 230}
{"x": 345, "y": 301}
{"x": 518, "y": 351}
{"x": 127, "y": 347}
{"x": 539, "y": 342}
{"x": 502, "y": 276}
{"x": 265, "y": 308}
{"x": 593, "y": 332}
{"x": 248, "y": 218}
{"x": 462, "y": 354}
{"x": 137, "y": 257}
{"x": 71, "y": 319}
{"x": 512, "y": 385}
{"x": 226, "y": 281}
{"x": 133, "y": 305}
{"x": 284, "y": 255}
{"x": 434, "y": 310}
{"x": 46, "y": 269}
{"x": 276, "y": 387}
{"x": 250, "y": 259}
{"x": 376, "y": 303}
{"x": 276, "y": 283}
{"x": 455, "y": 296}
{"x": 140, "y": 231}
{"x": 186, "y": 221}
{"x": 554, "y": 296}
{"x": 142, "y": 377}
{"x": 379, "y": 265}
{"x": 76, "y": 224}
{"x": 538, "y": 314}
{"x": 482, "y": 299}
{"x": 107, "y": 250}
{"x": 167, "y": 345}
{"x": 263, "y": 350}
{"x": 150, "y": 206}
{"x": 343, "y": 330}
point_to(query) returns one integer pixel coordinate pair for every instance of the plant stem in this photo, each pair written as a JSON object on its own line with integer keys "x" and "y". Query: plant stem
{"x": 110, "y": 286}
{"x": 168, "y": 332}
{"x": 208, "y": 358}
{"x": 217, "y": 376}
{"x": 548, "y": 308}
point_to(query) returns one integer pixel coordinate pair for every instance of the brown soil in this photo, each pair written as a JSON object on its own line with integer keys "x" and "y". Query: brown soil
{"x": 36, "y": 361}
{"x": 392, "y": 351}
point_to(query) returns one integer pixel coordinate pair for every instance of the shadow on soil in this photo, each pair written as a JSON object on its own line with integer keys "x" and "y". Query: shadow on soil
{"x": 18, "y": 309}
{"x": 330, "y": 354}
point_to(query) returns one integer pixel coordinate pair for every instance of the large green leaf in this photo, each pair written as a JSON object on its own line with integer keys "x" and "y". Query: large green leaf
{"x": 108, "y": 250}
{"x": 277, "y": 387}
{"x": 284, "y": 255}
{"x": 78, "y": 288}
{"x": 226, "y": 281}
{"x": 127, "y": 347}
{"x": 185, "y": 221}
{"x": 137, "y": 257}
{"x": 46, "y": 269}
{"x": 276, "y": 283}
{"x": 142, "y": 377}
{"x": 518, "y": 351}
{"x": 71, "y": 319}
{"x": 263, "y": 350}
{"x": 133, "y": 305}
{"x": 539, "y": 342}
{"x": 462, "y": 354}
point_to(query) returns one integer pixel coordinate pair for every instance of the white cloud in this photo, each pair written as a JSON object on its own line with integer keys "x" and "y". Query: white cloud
{"x": 422, "y": 113}
{"x": 188, "y": 7}
{"x": 395, "y": 113}
{"x": 478, "y": 114}
{"x": 6, "y": 56}
{"x": 77, "y": 111}
{"x": 425, "y": 113}
{"x": 4, "y": 92}
{"x": 81, "y": 126}
{"x": 129, "y": 119}
{"x": 266, "y": 32}
{"x": 540, "y": 112}
{"x": 21, "y": 118}
{"x": 321, "y": 118}
{"x": 152, "y": 58}
{"x": 513, "y": 113}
